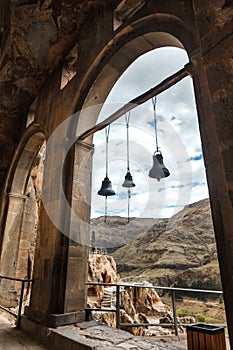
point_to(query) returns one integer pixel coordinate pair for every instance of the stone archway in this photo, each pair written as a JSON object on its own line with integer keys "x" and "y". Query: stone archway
{"x": 15, "y": 197}
{"x": 215, "y": 157}
{"x": 61, "y": 264}
{"x": 99, "y": 69}
{"x": 141, "y": 36}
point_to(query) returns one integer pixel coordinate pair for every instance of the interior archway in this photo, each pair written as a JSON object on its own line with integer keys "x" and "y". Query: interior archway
{"x": 17, "y": 220}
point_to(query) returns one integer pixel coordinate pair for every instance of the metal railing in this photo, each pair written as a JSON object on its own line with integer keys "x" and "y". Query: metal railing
{"x": 117, "y": 308}
{"x": 18, "y": 314}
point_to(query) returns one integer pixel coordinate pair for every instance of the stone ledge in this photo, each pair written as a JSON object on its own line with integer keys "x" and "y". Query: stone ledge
{"x": 106, "y": 333}
{"x": 54, "y": 320}
{"x": 93, "y": 337}
{"x": 68, "y": 339}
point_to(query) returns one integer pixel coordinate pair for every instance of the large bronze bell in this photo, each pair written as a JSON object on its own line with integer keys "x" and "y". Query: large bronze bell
{"x": 158, "y": 170}
{"x": 106, "y": 188}
{"x": 128, "y": 181}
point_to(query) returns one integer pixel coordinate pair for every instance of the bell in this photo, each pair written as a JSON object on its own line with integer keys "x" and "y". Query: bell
{"x": 106, "y": 188}
{"x": 158, "y": 170}
{"x": 128, "y": 180}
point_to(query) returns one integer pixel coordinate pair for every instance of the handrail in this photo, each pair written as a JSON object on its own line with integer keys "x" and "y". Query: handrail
{"x": 16, "y": 279}
{"x": 137, "y": 285}
{"x": 18, "y": 315}
{"x": 154, "y": 287}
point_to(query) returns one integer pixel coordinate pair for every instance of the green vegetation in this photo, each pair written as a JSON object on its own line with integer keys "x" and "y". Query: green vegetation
{"x": 210, "y": 320}
{"x": 200, "y": 318}
{"x": 199, "y": 284}
{"x": 183, "y": 313}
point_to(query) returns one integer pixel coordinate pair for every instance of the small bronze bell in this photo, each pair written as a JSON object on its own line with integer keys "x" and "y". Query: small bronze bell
{"x": 158, "y": 170}
{"x": 128, "y": 180}
{"x": 106, "y": 188}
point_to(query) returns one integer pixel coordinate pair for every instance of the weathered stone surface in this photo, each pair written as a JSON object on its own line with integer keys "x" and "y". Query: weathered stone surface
{"x": 87, "y": 324}
{"x": 95, "y": 337}
{"x": 101, "y": 268}
{"x": 40, "y": 34}
{"x": 109, "y": 334}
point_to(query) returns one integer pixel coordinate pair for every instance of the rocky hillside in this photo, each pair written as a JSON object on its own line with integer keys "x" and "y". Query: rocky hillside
{"x": 116, "y": 231}
{"x": 180, "y": 251}
{"x": 137, "y": 305}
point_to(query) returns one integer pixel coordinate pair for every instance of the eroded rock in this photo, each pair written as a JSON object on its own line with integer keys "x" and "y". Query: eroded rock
{"x": 138, "y": 304}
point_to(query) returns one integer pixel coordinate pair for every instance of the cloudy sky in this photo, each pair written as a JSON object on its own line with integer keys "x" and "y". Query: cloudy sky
{"x": 178, "y": 138}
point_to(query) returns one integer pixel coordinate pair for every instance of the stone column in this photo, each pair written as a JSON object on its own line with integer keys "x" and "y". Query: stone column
{"x": 58, "y": 294}
{"x": 214, "y": 94}
{"x": 75, "y": 297}
{"x": 10, "y": 249}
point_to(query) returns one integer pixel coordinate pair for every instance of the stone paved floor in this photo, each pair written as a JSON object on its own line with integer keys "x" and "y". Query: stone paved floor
{"x": 93, "y": 335}
{"x": 14, "y": 339}
{"x": 100, "y": 336}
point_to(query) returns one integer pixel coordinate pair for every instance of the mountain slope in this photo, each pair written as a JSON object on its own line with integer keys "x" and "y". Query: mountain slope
{"x": 117, "y": 232}
{"x": 180, "y": 249}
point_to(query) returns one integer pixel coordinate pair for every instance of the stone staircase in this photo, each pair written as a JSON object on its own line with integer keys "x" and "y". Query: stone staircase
{"x": 109, "y": 299}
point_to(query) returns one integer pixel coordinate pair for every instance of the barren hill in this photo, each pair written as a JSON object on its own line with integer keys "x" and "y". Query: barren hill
{"x": 181, "y": 250}
{"x": 117, "y": 232}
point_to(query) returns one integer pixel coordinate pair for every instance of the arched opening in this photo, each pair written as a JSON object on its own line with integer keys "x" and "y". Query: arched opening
{"x": 177, "y": 106}
{"x": 109, "y": 75}
{"x": 178, "y": 137}
{"x": 23, "y": 188}
{"x": 144, "y": 35}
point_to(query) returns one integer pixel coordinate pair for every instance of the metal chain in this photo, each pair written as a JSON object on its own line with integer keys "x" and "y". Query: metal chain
{"x": 107, "y": 130}
{"x": 127, "y": 117}
{"x": 154, "y": 101}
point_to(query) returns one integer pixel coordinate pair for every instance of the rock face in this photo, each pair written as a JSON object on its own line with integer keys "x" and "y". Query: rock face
{"x": 142, "y": 305}
{"x": 138, "y": 305}
{"x": 101, "y": 268}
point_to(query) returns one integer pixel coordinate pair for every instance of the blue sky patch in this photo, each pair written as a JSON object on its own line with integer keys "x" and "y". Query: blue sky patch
{"x": 197, "y": 157}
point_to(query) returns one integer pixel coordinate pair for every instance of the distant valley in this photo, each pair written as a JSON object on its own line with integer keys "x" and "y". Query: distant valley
{"x": 178, "y": 251}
